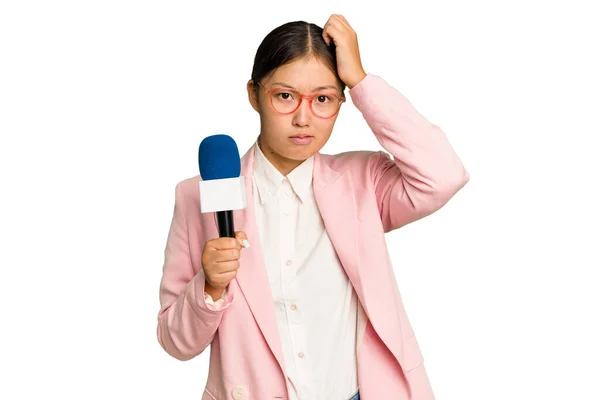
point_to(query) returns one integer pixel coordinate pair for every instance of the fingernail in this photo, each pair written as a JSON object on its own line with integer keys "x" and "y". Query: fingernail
{"x": 245, "y": 243}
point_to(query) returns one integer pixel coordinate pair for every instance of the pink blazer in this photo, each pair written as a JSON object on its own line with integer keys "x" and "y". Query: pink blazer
{"x": 361, "y": 195}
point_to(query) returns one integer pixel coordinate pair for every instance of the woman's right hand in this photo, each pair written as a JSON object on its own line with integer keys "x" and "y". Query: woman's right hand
{"x": 220, "y": 261}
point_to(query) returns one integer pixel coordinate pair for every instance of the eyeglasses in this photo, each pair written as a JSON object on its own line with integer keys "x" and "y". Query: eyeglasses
{"x": 323, "y": 104}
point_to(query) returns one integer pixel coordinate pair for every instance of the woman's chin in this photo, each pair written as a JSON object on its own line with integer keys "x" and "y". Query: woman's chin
{"x": 301, "y": 154}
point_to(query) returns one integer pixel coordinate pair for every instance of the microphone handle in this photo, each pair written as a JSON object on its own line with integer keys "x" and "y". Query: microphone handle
{"x": 225, "y": 223}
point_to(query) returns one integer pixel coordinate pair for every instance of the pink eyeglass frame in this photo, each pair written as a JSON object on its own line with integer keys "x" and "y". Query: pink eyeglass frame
{"x": 311, "y": 98}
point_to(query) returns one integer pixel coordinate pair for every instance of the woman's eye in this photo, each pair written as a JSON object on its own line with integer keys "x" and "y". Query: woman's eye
{"x": 284, "y": 95}
{"x": 323, "y": 98}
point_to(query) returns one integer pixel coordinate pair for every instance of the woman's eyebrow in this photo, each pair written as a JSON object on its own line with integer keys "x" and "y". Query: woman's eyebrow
{"x": 315, "y": 89}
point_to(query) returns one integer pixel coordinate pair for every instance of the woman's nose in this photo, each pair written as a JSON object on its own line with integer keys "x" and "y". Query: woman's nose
{"x": 302, "y": 114}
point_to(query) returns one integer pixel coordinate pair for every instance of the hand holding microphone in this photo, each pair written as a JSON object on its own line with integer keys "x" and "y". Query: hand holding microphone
{"x": 222, "y": 190}
{"x": 220, "y": 261}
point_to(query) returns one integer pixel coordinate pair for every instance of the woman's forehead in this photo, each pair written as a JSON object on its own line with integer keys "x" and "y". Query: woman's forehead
{"x": 304, "y": 75}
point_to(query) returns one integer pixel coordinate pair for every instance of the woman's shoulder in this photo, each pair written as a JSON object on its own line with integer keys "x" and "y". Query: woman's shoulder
{"x": 357, "y": 159}
{"x": 188, "y": 187}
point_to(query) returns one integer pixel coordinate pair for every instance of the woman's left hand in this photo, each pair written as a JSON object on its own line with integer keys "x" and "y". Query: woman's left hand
{"x": 349, "y": 66}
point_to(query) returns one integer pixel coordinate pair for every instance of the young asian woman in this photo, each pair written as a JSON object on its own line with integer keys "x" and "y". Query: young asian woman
{"x": 303, "y": 302}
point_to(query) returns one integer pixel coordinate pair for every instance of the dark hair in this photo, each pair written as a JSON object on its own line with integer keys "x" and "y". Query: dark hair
{"x": 289, "y": 42}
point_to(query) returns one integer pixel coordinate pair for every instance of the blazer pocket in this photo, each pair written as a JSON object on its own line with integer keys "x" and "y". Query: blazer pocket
{"x": 412, "y": 357}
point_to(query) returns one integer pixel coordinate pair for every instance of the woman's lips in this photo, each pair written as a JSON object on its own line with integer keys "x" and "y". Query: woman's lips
{"x": 301, "y": 139}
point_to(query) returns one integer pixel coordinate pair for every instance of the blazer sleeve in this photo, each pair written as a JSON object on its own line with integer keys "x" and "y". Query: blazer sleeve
{"x": 423, "y": 172}
{"x": 186, "y": 322}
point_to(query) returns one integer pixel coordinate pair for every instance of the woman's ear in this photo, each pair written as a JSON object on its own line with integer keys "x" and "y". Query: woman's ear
{"x": 252, "y": 95}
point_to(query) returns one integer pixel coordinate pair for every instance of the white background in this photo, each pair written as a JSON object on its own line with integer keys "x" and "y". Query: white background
{"x": 103, "y": 106}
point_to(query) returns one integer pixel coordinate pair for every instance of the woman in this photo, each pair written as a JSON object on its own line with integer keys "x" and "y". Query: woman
{"x": 303, "y": 303}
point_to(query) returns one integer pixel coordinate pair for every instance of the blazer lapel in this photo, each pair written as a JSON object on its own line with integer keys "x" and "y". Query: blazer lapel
{"x": 336, "y": 198}
{"x": 252, "y": 275}
{"x": 334, "y": 195}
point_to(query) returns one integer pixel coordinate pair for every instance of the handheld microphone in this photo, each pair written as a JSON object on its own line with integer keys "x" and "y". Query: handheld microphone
{"x": 222, "y": 190}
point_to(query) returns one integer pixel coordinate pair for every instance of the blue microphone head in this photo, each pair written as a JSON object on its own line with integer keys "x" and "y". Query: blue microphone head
{"x": 218, "y": 158}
